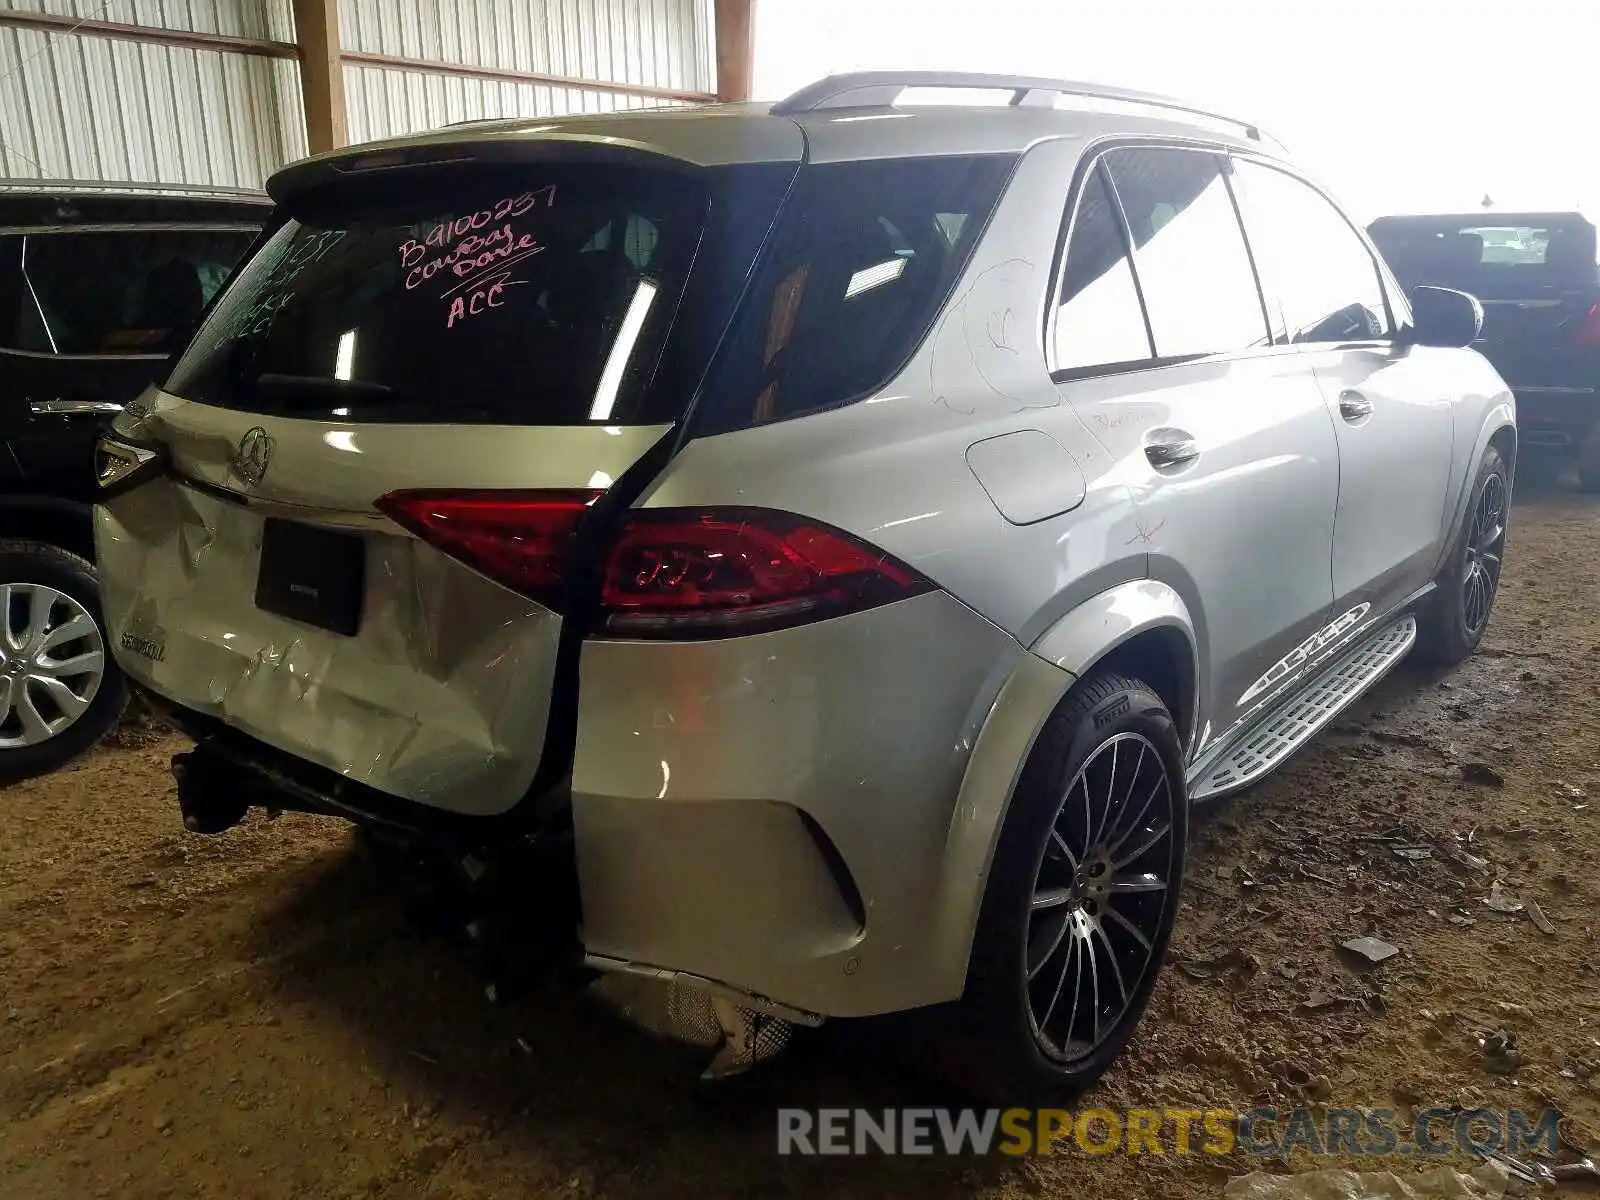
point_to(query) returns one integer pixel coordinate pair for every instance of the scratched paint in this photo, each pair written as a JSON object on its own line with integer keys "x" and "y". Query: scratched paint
{"x": 985, "y": 356}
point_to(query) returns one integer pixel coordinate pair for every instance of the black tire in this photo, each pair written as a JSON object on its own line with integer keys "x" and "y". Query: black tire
{"x": 990, "y": 1045}
{"x": 23, "y": 562}
{"x": 1451, "y": 621}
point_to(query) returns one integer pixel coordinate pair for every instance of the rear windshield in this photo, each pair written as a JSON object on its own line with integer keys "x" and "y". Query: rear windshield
{"x": 1489, "y": 254}
{"x": 540, "y": 296}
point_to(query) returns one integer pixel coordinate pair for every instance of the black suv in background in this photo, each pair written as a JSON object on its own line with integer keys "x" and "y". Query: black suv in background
{"x": 98, "y": 284}
{"x": 1536, "y": 275}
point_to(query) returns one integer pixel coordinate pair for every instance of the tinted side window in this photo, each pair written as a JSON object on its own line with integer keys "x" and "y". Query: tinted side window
{"x": 119, "y": 292}
{"x": 1098, "y": 318}
{"x": 1189, "y": 252}
{"x": 861, "y": 262}
{"x": 1325, "y": 281}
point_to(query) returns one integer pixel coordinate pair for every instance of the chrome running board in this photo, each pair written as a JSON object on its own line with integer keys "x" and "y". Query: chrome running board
{"x": 1294, "y": 723}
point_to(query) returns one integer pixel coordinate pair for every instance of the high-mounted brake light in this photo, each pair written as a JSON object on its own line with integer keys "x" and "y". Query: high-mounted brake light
{"x": 699, "y": 573}
{"x": 1588, "y": 333}
{"x": 520, "y": 539}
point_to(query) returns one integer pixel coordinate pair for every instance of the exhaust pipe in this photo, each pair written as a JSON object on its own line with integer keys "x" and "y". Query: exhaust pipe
{"x": 207, "y": 797}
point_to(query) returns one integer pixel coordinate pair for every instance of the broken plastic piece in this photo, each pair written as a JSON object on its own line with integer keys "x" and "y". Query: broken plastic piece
{"x": 1501, "y": 900}
{"x": 1540, "y": 921}
{"x": 1373, "y": 950}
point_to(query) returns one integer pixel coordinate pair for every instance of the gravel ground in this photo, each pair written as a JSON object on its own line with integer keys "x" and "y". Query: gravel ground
{"x": 251, "y": 1015}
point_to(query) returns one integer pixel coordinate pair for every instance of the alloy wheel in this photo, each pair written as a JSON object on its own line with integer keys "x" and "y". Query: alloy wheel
{"x": 1100, "y": 896}
{"x": 1485, "y": 548}
{"x": 52, "y": 662}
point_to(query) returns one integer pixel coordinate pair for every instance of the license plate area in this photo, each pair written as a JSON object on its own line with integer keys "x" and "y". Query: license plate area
{"x": 314, "y": 576}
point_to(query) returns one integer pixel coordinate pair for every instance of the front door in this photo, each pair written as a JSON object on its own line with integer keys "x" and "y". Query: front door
{"x": 1393, "y": 419}
{"x": 87, "y": 320}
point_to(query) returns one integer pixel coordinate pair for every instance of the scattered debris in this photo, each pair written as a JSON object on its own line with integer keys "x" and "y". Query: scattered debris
{"x": 1572, "y": 790}
{"x": 1501, "y": 900}
{"x": 1415, "y": 740}
{"x": 1576, "y": 1068}
{"x": 1500, "y": 1052}
{"x": 1537, "y": 1172}
{"x": 1481, "y": 773}
{"x": 1487, "y": 1181}
{"x": 1372, "y": 950}
{"x": 163, "y": 1123}
{"x": 1319, "y": 1000}
{"x": 1256, "y": 915}
{"x": 1234, "y": 962}
{"x": 1458, "y": 919}
{"x": 1540, "y": 921}
{"x": 1471, "y": 861}
{"x": 1414, "y": 853}
{"x": 1287, "y": 968}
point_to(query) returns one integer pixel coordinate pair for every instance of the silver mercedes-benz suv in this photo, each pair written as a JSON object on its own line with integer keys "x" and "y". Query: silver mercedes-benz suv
{"x": 852, "y": 530}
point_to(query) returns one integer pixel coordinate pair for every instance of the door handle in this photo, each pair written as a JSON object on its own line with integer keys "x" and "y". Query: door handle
{"x": 72, "y": 408}
{"x": 1171, "y": 448}
{"x": 1354, "y": 407}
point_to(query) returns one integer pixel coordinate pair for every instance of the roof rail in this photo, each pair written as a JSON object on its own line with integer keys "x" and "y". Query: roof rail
{"x": 115, "y": 185}
{"x": 882, "y": 88}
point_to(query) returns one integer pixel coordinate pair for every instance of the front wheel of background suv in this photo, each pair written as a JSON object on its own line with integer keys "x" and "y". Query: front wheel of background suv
{"x": 1080, "y": 900}
{"x": 1451, "y": 621}
{"x": 60, "y": 690}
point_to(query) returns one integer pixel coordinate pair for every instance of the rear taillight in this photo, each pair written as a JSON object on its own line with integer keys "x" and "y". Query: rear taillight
{"x": 520, "y": 539}
{"x": 721, "y": 572}
{"x": 1588, "y": 333}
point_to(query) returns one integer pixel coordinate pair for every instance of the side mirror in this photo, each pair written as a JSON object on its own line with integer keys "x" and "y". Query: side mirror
{"x": 1445, "y": 317}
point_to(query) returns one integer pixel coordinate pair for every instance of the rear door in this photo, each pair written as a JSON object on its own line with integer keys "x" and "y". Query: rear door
{"x": 382, "y": 440}
{"x": 88, "y": 317}
{"x": 1221, "y": 437}
{"x": 1390, "y": 403}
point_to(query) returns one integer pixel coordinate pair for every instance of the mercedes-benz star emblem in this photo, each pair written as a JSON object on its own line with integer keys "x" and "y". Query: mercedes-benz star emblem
{"x": 254, "y": 455}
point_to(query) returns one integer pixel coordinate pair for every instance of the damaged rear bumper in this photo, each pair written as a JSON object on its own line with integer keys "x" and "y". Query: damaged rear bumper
{"x": 772, "y": 817}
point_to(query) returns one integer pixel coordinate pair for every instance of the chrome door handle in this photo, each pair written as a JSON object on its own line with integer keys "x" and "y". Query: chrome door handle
{"x": 1171, "y": 448}
{"x": 72, "y": 408}
{"x": 1354, "y": 407}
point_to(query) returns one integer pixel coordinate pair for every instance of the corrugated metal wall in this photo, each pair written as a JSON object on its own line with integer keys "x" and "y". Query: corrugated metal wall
{"x": 82, "y": 107}
{"x": 657, "y": 43}
{"x": 269, "y": 20}
{"x": 78, "y": 106}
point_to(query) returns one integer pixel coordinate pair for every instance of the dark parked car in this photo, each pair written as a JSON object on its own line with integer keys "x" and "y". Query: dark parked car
{"x": 98, "y": 283}
{"x": 1536, "y": 276}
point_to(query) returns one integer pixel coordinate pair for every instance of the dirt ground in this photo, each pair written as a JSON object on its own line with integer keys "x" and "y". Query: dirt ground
{"x": 251, "y": 1015}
